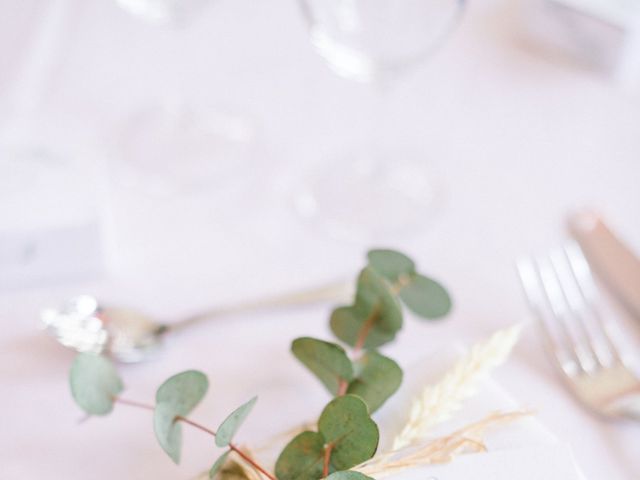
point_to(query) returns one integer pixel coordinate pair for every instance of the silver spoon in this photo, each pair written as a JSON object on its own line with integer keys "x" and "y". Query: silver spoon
{"x": 130, "y": 336}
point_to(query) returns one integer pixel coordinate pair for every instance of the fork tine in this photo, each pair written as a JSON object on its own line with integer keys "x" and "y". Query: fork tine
{"x": 561, "y": 293}
{"x": 531, "y": 281}
{"x": 587, "y": 290}
{"x": 575, "y": 308}
{"x": 563, "y": 316}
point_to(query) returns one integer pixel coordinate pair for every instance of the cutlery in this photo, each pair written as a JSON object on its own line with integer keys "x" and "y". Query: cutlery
{"x": 561, "y": 293}
{"x": 613, "y": 262}
{"x": 131, "y": 336}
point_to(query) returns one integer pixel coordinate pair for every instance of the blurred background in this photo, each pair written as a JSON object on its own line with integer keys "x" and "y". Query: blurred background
{"x": 175, "y": 129}
{"x": 171, "y": 155}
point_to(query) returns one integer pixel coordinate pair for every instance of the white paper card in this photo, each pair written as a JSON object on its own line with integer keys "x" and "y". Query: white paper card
{"x": 50, "y": 218}
{"x": 553, "y": 462}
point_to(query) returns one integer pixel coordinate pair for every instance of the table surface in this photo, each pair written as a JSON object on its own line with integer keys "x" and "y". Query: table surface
{"x": 519, "y": 137}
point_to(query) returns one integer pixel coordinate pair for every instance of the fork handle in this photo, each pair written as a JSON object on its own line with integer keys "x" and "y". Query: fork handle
{"x": 616, "y": 265}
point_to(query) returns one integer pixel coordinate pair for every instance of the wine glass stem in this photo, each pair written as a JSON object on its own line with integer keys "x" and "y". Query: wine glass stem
{"x": 30, "y": 87}
{"x": 379, "y": 132}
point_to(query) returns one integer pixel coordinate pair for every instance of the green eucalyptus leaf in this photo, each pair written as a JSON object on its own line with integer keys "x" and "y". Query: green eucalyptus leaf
{"x": 374, "y": 295}
{"x": 218, "y": 464}
{"x": 378, "y": 378}
{"x": 422, "y": 295}
{"x": 302, "y": 458}
{"x": 94, "y": 383}
{"x": 391, "y": 264}
{"x": 347, "y": 323}
{"x": 328, "y": 361}
{"x": 168, "y": 431}
{"x": 375, "y": 309}
{"x": 346, "y": 426}
{"x": 176, "y": 397}
{"x": 184, "y": 391}
{"x": 229, "y": 427}
{"x": 426, "y": 297}
{"x": 348, "y": 475}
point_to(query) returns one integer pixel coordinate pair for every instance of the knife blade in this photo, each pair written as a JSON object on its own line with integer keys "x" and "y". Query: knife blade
{"x": 613, "y": 262}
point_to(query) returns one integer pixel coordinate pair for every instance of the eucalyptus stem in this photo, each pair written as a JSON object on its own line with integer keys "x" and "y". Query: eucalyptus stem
{"x": 360, "y": 381}
{"x": 327, "y": 459}
{"x": 366, "y": 329}
{"x": 202, "y": 428}
{"x": 251, "y": 462}
{"x": 133, "y": 403}
{"x": 344, "y": 385}
{"x": 342, "y": 388}
{"x": 399, "y": 284}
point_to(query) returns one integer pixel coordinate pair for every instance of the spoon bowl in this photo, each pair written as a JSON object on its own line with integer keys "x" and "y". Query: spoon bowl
{"x": 83, "y": 325}
{"x": 130, "y": 336}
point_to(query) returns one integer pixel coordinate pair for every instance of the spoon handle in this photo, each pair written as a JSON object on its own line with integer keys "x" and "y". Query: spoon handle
{"x": 335, "y": 291}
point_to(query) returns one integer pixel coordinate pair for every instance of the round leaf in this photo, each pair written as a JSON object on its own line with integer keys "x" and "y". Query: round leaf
{"x": 374, "y": 296}
{"x": 376, "y": 306}
{"x": 218, "y": 464}
{"x": 345, "y": 425}
{"x": 302, "y": 458}
{"x": 184, "y": 391}
{"x": 426, "y": 297}
{"x": 229, "y": 427}
{"x": 94, "y": 383}
{"x": 348, "y": 475}
{"x": 328, "y": 361}
{"x": 176, "y": 397}
{"x": 347, "y": 323}
{"x": 391, "y": 264}
{"x": 168, "y": 431}
{"x": 379, "y": 377}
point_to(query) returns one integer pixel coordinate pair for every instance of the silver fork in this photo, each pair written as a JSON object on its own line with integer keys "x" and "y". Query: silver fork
{"x": 562, "y": 295}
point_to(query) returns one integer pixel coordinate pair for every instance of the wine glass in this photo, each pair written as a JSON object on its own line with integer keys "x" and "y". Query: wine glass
{"x": 163, "y": 11}
{"x": 174, "y": 147}
{"x": 378, "y": 188}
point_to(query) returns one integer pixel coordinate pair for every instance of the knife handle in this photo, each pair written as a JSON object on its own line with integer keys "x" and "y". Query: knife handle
{"x": 614, "y": 263}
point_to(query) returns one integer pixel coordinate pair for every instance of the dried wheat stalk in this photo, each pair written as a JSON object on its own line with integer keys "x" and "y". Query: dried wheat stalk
{"x": 440, "y": 450}
{"x": 434, "y": 405}
{"x": 438, "y": 402}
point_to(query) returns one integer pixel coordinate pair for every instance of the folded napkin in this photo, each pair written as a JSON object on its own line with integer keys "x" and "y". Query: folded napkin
{"x": 551, "y": 462}
{"x": 520, "y": 450}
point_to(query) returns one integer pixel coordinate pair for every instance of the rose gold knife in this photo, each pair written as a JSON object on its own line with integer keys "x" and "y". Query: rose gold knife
{"x": 614, "y": 263}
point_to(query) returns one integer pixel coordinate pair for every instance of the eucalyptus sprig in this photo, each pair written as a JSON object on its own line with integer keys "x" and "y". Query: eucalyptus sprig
{"x": 362, "y": 381}
{"x": 96, "y": 386}
{"x": 359, "y": 381}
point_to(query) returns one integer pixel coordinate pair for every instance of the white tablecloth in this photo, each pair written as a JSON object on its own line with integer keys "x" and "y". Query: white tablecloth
{"x": 519, "y": 139}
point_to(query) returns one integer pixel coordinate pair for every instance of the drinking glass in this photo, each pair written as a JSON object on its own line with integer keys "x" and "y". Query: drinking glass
{"x": 27, "y": 151}
{"x": 174, "y": 147}
{"x": 163, "y": 11}
{"x": 377, "y": 188}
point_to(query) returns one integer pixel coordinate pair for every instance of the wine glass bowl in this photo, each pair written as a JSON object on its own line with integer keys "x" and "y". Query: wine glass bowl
{"x": 381, "y": 187}
{"x": 176, "y": 148}
{"x": 163, "y": 11}
{"x": 366, "y": 40}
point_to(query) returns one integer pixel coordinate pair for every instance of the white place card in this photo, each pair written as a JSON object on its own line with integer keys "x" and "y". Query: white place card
{"x": 50, "y": 218}
{"x": 552, "y": 462}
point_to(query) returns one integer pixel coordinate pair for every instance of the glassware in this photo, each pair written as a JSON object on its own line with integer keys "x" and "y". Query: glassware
{"x": 20, "y": 135}
{"x": 377, "y": 188}
{"x": 163, "y": 11}
{"x": 173, "y": 147}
